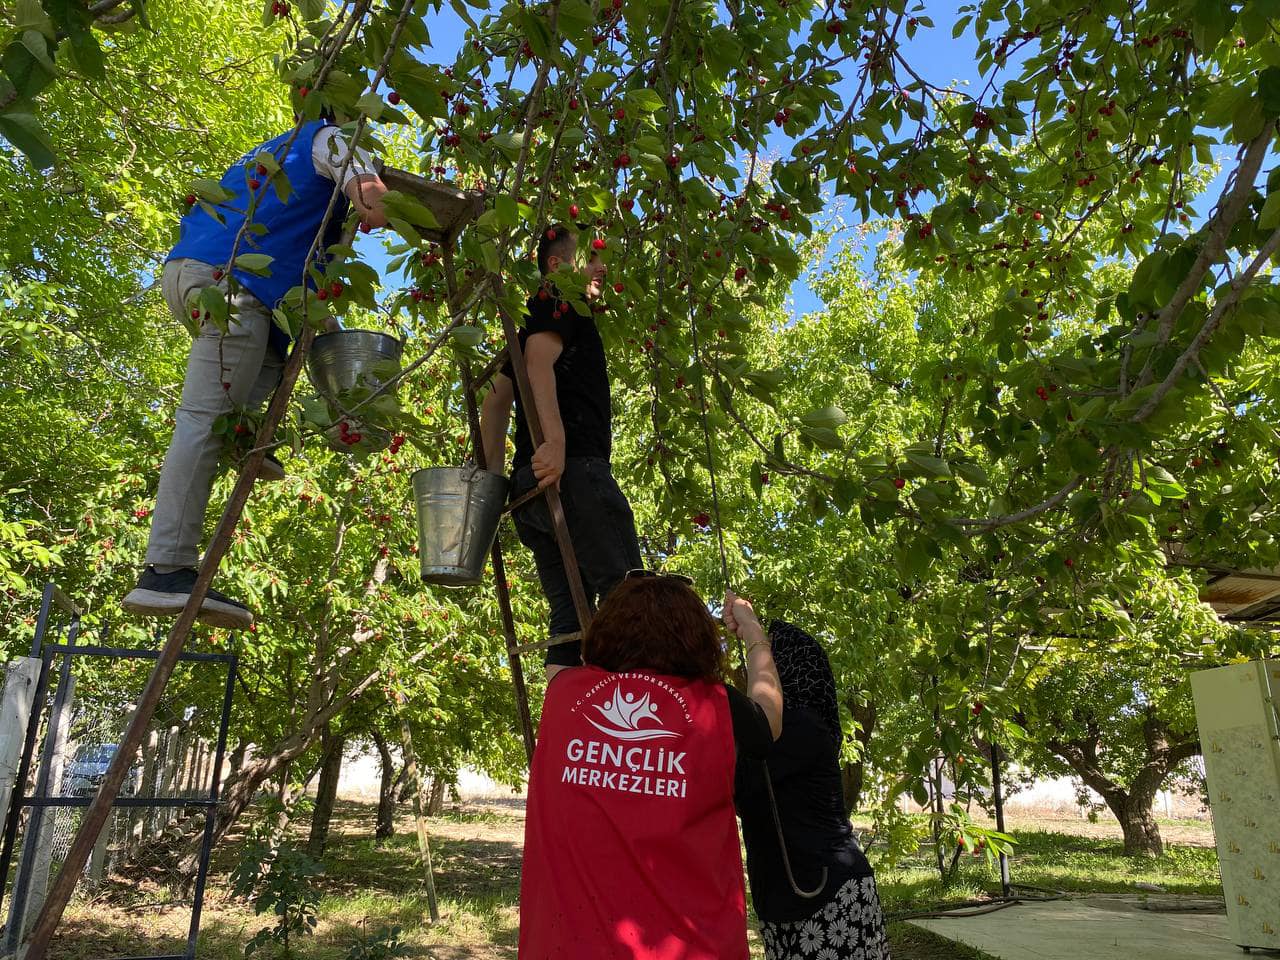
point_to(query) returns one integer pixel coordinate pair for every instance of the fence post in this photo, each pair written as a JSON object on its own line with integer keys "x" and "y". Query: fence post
{"x": 20, "y": 678}
{"x": 42, "y": 824}
{"x": 167, "y": 779}
{"x": 146, "y": 788}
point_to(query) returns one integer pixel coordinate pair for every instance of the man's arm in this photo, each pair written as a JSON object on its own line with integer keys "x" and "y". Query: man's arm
{"x": 541, "y": 351}
{"x": 495, "y": 414}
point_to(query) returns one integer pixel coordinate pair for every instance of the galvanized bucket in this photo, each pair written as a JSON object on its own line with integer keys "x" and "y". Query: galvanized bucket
{"x": 458, "y": 513}
{"x": 353, "y": 360}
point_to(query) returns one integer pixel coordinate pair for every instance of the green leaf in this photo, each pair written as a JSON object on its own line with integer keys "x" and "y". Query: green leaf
{"x": 24, "y": 132}
{"x": 507, "y": 210}
{"x": 27, "y": 74}
{"x": 468, "y": 336}
{"x": 828, "y": 417}
{"x": 311, "y": 9}
{"x": 575, "y": 18}
{"x": 1269, "y": 219}
{"x": 933, "y": 466}
{"x": 30, "y": 15}
{"x": 38, "y": 47}
{"x": 508, "y": 143}
{"x": 824, "y": 437}
{"x": 404, "y": 207}
{"x": 1269, "y": 92}
{"x": 1163, "y": 482}
{"x": 972, "y": 473}
{"x": 86, "y": 54}
{"x": 256, "y": 263}
{"x": 210, "y": 190}
{"x": 643, "y": 100}
{"x": 489, "y": 253}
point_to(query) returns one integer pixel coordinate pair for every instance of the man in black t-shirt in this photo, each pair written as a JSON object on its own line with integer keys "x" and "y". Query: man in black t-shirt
{"x": 569, "y": 378}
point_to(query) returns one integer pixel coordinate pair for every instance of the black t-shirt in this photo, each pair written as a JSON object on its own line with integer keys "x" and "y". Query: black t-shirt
{"x": 582, "y": 383}
{"x": 751, "y": 734}
{"x": 805, "y": 770}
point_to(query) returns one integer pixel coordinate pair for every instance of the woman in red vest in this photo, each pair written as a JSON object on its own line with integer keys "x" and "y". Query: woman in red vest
{"x": 631, "y": 843}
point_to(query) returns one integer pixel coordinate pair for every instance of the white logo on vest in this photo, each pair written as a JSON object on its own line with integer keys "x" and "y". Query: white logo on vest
{"x": 624, "y": 712}
{"x": 652, "y": 771}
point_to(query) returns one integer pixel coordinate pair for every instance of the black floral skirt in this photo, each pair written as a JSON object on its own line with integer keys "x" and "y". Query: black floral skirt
{"x": 850, "y": 927}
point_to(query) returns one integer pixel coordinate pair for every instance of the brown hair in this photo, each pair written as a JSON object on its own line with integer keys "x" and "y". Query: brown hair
{"x": 657, "y": 624}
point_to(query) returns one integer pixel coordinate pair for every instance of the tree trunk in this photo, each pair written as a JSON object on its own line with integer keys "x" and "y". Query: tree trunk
{"x": 1138, "y": 821}
{"x": 237, "y": 759}
{"x": 386, "y": 823}
{"x": 326, "y": 792}
{"x": 435, "y": 804}
{"x": 852, "y": 775}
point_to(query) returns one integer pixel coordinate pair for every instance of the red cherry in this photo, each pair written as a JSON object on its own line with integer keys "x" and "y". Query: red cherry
{"x": 365, "y": 228}
{"x": 195, "y": 315}
{"x": 336, "y": 288}
{"x": 1069, "y": 562}
{"x": 618, "y": 287}
{"x": 254, "y": 183}
{"x": 218, "y": 274}
{"x": 393, "y": 98}
{"x": 261, "y": 170}
{"x": 322, "y": 294}
{"x": 597, "y": 244}
{"x": 977, "y": 707}
{"x": 899, "y": 482}
{"x": 619, "y": 114}
{"x": 573, "y": 210}
{"x": 573, "y": 103}
{"x": 190, "y": 199}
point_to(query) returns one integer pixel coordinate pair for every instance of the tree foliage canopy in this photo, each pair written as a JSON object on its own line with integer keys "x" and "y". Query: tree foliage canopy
{"x": 1042, "y": 383}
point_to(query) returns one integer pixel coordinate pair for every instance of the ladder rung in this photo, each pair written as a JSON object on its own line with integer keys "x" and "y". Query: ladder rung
{"x": 520, "y": 501}
{"x": 543, "y": 644}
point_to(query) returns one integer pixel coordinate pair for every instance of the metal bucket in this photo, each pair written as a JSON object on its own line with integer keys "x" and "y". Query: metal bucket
{"x": 347, "y": 360}
{"x": 458, "y": 513}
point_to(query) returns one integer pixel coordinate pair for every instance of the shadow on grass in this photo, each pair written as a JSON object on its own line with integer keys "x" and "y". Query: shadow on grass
{"x": 1055, "y": 861}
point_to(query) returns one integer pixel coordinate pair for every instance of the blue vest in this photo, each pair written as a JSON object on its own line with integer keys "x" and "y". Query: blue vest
{"x": 291, "y": 227}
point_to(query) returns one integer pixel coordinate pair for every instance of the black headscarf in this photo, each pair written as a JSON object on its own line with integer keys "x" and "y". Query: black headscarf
{"x": 805, "y": 673}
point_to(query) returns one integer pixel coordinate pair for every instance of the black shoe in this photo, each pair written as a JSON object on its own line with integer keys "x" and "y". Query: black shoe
{"x": 165, "y": 594}
{"x": 272, "y": 468}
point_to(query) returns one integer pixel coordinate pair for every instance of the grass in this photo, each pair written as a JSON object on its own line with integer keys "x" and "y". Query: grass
{"x": 477, "y": 868}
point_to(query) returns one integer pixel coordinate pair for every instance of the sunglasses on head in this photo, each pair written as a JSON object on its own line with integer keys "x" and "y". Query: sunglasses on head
{"x": 641, "y": 574}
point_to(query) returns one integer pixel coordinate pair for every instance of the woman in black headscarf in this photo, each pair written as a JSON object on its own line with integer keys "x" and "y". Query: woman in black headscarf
{"x": 814, "y": 893}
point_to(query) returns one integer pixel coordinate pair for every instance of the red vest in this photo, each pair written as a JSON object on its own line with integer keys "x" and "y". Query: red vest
{"x": 630, "y": 845}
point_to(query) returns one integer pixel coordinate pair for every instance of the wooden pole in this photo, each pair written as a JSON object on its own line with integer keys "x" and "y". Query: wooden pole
{"x": 469, "y": 388}
{"x": 419, "y": 815}
{"x": 99, "y": 810}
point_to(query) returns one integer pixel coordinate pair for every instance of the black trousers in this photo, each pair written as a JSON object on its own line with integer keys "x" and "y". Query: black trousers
{"x": 602, "y": 529}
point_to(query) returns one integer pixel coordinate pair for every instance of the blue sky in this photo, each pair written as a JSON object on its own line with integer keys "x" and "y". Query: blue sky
{"x": 932, "y": 51}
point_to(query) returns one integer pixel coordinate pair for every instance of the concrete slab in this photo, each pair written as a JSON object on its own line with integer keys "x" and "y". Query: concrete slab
{"x": 1099, "y": 929}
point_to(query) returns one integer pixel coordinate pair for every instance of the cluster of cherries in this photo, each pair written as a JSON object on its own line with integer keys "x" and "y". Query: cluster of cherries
{"x": 346, "y": 434}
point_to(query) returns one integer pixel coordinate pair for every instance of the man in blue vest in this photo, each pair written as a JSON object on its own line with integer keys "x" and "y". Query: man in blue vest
{"x": 239, "y": 369}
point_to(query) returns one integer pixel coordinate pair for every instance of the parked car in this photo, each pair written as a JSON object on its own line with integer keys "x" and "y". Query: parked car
{"x": 85, "y": 772}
